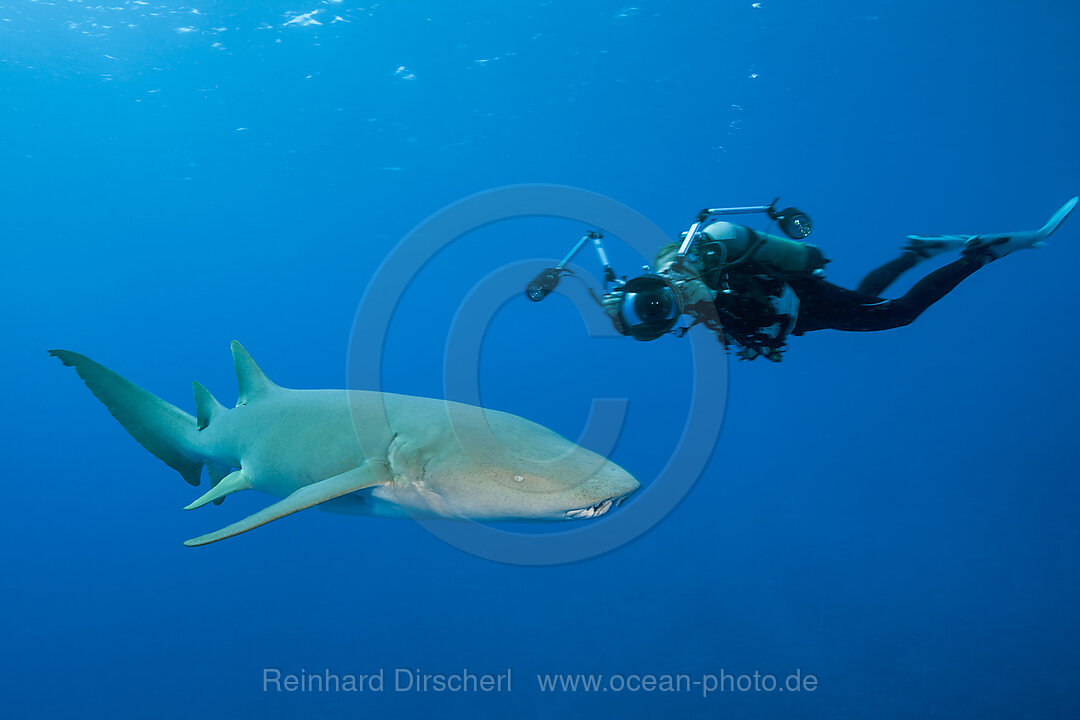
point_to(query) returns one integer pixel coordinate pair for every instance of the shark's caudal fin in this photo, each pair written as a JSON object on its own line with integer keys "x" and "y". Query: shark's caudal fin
{"x": 166, "y": 431}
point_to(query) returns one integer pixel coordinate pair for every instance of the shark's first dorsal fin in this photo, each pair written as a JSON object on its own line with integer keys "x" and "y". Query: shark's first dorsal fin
{"x": 253, "y": 383}
{"x": 206, "y": 406}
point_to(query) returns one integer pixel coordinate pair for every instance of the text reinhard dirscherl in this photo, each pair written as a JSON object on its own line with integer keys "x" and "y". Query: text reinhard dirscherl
{"x": 415, "y": 680}
{"x": 397, "y": 680}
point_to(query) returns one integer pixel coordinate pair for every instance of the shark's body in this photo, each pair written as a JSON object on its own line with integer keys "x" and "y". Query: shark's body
{"x": 361, "y": 452}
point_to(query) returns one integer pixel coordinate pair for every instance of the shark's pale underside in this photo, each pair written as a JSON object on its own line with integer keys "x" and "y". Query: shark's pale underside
{"x": 361, "y": 452}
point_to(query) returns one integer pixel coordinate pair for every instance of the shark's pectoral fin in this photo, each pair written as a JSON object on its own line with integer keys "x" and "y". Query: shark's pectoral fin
{"x": 229, "y": 484}
{"x": 365, "y": 476}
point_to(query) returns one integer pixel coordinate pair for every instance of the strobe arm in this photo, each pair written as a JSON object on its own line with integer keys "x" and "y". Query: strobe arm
{"x": 548, "y": 278}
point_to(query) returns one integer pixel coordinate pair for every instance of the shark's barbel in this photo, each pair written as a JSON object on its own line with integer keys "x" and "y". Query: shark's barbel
{"x": 360, "y": 452}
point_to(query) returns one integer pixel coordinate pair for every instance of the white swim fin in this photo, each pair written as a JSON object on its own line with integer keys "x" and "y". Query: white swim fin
{"x": 996, "y": 245}
{"x": 1001, "y": 244}
{"x": 928, "y": 246}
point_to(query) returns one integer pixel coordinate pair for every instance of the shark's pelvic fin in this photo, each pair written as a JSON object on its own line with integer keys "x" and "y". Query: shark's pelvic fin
{"x": 252, "y": 381}
{"x": 367, "y": 475}
{"x": 217, "y": 473}
{"x": 163, "y": 429}
{"x": 206, "y": 405}
{"x": 232, "y": 482}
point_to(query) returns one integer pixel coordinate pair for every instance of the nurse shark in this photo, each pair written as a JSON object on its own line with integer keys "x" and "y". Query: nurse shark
{"x": 360, "y": 452}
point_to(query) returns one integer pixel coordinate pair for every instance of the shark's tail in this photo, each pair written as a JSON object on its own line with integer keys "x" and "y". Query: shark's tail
{"x": 166, "y": 431}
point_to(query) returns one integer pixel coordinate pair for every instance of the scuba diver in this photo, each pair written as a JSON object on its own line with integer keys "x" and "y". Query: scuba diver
{"x": 754, "y": 289}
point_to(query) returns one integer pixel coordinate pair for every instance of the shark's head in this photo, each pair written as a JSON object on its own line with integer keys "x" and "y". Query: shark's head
{"x": 489, "y": 465}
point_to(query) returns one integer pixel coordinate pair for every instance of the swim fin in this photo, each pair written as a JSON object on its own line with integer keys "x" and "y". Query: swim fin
{"x": 1001, "y": 244}
{"x": 997, "y": 245}
{"x": 930, "y": 246}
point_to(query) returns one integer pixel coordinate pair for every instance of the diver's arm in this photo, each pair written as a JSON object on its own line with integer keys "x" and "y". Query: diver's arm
{"x": 610, "y": 303}
{"x": 692, "y": 289}
{"x": 685, "y": 274}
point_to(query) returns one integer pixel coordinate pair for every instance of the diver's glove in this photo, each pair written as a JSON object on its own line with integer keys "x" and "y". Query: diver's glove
{"x": 610, "y": 302}
{"x": 997, "y": 245}
{"x": 685, "y": 274}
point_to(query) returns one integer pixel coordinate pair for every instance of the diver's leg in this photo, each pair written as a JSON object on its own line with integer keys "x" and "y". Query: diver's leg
{"x": 902, "y": 311}
{"x": 880, "y": 278}
{"x": 824, "y": 306}
{"x": 828, "y": 307}
{"x": 932, "y": 288}
{"x": 918, "y": 249}
{"x": 832, "y": 307}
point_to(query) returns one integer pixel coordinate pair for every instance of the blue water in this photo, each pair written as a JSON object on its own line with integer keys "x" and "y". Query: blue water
{"x": 893, "y": 513}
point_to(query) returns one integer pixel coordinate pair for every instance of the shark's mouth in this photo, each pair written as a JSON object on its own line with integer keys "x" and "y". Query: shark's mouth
{"x": 596, "y": 510}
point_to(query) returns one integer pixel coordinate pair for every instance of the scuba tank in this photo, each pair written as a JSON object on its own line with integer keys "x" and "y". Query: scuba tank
{"x": 741, "y": 245}
{"x": 757, "y": 308}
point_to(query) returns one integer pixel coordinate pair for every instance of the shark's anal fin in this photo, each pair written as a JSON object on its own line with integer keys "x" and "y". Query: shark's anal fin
{"x": 231, "y": 483}
{"x": 365, "y": 476}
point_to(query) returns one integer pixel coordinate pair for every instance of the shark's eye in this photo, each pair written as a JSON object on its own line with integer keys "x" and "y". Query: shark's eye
{"x": 519, "y": 478}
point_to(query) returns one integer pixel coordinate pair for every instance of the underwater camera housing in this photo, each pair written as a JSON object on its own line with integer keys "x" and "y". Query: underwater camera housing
{"x": 650, "y": 304}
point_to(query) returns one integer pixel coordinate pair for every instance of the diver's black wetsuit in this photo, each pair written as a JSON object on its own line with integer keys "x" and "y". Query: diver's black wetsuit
{"x": 824, "y": 306}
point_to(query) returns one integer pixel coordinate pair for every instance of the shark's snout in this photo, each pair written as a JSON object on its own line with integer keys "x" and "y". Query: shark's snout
{"x": 606, "y": 490}
{"x": 596, "y": 510}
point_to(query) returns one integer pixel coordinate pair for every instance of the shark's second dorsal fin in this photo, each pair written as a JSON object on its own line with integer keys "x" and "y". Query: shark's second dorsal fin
{"x": 251, "y": 380}
{"x": 206, "y": 406}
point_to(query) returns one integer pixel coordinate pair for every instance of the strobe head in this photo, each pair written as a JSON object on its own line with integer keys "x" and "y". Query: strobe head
{"x": 649, "y": 307}
{"x": 794, "y": 222}
{"x": 542, "y": 284}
